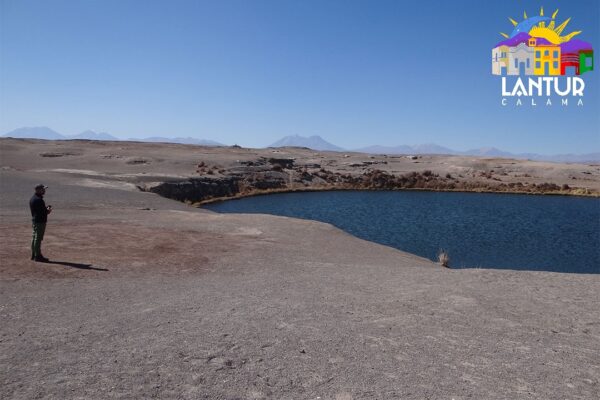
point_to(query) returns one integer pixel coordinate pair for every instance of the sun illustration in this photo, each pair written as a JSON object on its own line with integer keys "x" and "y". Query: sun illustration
{"x": 536, "y": 27}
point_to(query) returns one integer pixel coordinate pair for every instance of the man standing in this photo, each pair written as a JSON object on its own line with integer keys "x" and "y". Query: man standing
{"x": 39, "y": 217}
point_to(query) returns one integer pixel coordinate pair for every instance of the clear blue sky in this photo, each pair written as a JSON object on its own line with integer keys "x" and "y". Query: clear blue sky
{"x": 249, "y": 72}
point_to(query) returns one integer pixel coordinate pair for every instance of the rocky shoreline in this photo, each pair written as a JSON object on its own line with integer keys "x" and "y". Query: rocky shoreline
{"x": 280, "y": 175}
{"x": 199, "y": 174}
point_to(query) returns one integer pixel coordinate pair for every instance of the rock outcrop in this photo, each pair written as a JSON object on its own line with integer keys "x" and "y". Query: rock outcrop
{"x": 195, "y": 190}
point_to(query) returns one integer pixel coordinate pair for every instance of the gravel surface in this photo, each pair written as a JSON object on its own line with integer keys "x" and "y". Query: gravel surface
{"x": 149, "y": 298}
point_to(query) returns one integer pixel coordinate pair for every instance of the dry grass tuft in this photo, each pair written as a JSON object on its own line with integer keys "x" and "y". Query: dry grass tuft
{"x": 444, "y": 258}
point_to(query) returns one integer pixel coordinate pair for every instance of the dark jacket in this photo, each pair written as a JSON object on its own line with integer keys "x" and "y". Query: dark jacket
{"x": 39, "y": 213}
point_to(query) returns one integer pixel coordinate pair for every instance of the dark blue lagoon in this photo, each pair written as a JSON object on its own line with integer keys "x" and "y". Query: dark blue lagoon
{"x": 545, "y": 233}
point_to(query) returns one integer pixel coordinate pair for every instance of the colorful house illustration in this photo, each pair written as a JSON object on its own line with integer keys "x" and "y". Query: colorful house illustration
{"x": 538, "y": 46}
{"x": 578, "y": 56}
{"x": 516, "y": 60}
{"x": 500, "y": 60}
{"x": 547, "y": 58}
{"x": 586, "y": 60}
{"x": 537, "y": 56}
{"x": 520, "y": 60}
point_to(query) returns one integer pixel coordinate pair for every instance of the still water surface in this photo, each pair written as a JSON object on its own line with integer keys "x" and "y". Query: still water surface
{"x": 548, "y": 233}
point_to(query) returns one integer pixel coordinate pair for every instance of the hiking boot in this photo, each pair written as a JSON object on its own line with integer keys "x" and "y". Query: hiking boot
{"x": 41, "y": 259}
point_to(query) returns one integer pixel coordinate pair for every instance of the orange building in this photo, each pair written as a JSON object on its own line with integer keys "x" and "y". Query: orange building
{"x": 547, "y": 58}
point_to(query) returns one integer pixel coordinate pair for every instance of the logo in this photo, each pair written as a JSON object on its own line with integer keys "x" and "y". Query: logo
{"x": 537, "y": 47}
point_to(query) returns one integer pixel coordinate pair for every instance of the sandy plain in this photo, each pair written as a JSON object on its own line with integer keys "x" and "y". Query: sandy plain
{"x": 147, "y": 297}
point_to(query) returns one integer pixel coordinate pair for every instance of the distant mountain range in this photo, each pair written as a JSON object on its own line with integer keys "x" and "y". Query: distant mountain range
{"x": 42, "y": 132}
{"x": 481, "y": 152}
{"x": 180, "y": 140}
{"x": 312, "y": 142}
{"x": 316, "y": 143}
{"x": 91, "y": 135}
{"x": 428, "y": 148}
{"x": 46, "y": 133}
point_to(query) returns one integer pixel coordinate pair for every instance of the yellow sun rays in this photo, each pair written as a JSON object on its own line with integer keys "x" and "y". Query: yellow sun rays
{"x": 550, "y": 32}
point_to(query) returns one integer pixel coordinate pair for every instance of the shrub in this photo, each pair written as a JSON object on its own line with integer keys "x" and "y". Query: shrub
{"x": 444, "y": 258}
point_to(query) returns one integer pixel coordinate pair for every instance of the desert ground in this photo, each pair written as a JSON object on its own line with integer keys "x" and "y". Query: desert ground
{"x": 148, "y": 297}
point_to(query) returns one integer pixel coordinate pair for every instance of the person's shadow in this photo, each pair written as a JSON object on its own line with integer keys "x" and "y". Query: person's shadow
{"x": 76, "y": 265}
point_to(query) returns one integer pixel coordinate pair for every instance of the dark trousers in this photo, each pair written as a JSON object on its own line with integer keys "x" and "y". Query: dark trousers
{"x": 38, "y": 235}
